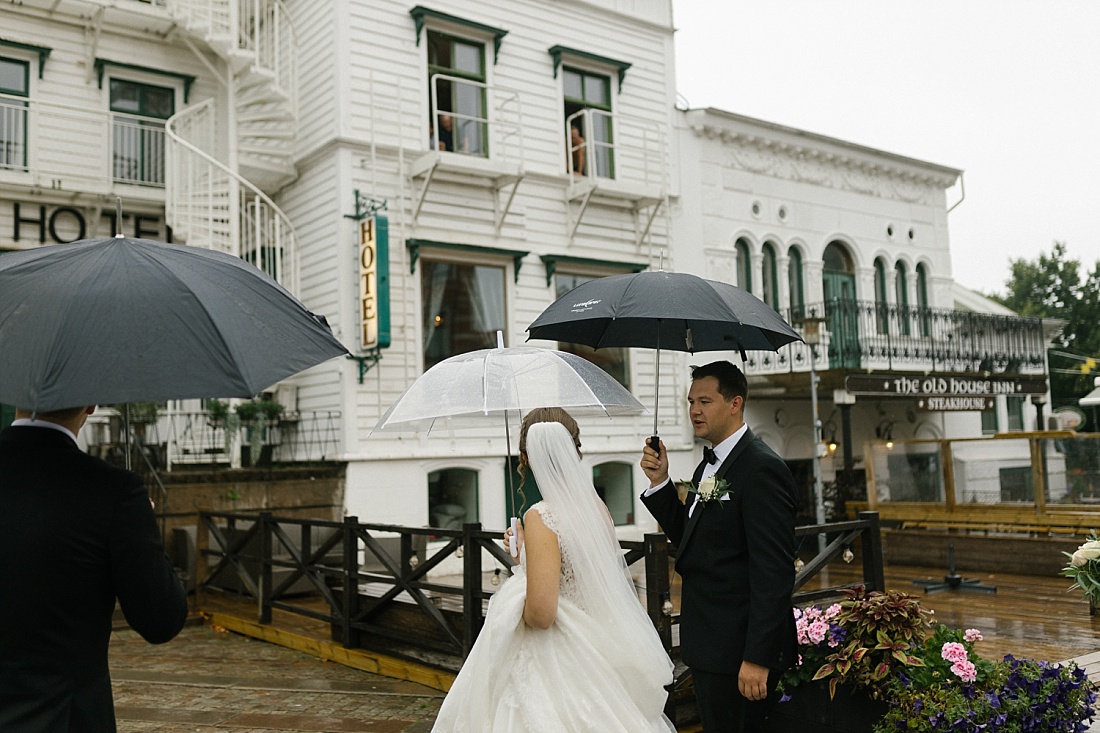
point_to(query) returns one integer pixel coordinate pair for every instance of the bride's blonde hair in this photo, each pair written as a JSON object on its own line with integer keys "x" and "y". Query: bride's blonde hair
{"x": 537, "y": 415}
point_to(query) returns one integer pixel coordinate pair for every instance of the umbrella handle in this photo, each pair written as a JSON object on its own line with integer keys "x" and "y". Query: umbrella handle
{"x": 513, "y": 546}
{"x": 654, "y": 443}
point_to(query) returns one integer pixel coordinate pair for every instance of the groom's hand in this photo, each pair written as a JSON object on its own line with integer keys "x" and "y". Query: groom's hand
{"x": 752, "y": 681}
{"x": 655, "y": 463}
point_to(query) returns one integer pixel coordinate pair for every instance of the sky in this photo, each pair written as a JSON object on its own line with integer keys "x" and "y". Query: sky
{"x": 1008, "y": 91}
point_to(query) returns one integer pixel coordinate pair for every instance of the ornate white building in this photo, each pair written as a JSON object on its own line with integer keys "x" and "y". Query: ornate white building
{"x": 411, "y": 172}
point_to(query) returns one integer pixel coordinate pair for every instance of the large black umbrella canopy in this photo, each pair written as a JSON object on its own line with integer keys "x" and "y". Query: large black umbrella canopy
{"x": 118, "y": 320}
{"x": 663, "y": 310}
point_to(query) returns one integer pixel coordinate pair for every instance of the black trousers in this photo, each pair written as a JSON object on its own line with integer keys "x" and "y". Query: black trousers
{"x": 722, "y": 709}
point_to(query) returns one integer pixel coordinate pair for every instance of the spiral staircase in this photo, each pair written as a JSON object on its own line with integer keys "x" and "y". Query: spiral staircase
{"x": 219, "y": 182}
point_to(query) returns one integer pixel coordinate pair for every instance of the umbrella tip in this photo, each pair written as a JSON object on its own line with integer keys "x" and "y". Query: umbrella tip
{"x": 500, "y": 339}
{"x": 118, "y": 217}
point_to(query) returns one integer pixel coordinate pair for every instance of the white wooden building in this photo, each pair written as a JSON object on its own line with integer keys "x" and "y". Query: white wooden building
{"x": 289, "y": 131}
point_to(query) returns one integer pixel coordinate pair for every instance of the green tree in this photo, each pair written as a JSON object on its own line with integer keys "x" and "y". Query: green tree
{"x": 1051, "y": 286}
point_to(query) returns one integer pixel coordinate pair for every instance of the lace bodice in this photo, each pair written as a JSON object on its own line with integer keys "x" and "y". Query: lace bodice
{"x": 567, "y": 588}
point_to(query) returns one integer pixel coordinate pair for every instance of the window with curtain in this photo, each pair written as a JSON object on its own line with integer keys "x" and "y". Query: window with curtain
{"x": 922, "y": 301}
{"x": 456, "y": 82}
{"x": 769, "y": 276}
{"x": 794, "y": 282}
{"x": 612, "y": 360}
{"x": 452, "y": 498}
{"x": 14, "y": 90}
{"x": 901, "y": 296}
{"x": 462, "y": 306}
{"x": 881, "y": 322}
{"x": 743, "y": 265}
{"x": 137, "y": 123}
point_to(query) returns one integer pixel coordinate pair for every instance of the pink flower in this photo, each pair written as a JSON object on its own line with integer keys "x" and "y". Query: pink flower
{"x": 965, "y": 671}
{"x": 973, "y": 635}
{"x": 832, "y": 611}
{"x": 954, "y": 652}
{"x": 817, "y": 631}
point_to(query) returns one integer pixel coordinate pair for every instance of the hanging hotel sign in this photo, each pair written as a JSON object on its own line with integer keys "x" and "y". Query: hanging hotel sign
{"x": 928, "y": 386}
{"x": 374, "y": 290}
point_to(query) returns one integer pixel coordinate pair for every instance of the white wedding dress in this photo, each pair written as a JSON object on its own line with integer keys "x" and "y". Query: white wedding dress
{"x": 588, "y": 672}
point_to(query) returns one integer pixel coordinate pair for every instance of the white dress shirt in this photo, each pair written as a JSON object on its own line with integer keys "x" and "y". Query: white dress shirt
{"x": 32, "y": 423}
{"x": 721, "y": 451}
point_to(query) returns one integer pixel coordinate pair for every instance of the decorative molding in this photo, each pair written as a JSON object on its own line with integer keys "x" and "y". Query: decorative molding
{"x": 765, "y": 155}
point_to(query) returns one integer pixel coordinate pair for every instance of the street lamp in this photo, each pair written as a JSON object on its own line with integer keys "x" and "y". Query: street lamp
{"x": 811, "y": 335}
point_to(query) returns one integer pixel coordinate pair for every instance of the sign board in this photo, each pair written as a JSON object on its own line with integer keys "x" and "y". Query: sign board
{"x": 374, "y": 291}
{"x": 1068, "y": 418}
{"x": 943, "y": 385}
{"x": 955, "y": 404}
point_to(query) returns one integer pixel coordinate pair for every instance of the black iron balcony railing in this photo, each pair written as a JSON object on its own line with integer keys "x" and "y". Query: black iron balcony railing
{"x": 860, "y": 334}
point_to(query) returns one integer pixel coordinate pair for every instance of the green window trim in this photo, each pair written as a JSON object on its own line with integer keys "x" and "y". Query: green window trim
{"x": 42, "y": 51}
{"x": 556, "y": 52}
{"x": 187, "y": 79}
{"x": 414, "y": 246}
{"x": 551, "y": 264}
{"x": 420, "y": 15}
{"x": 794, "y": 260}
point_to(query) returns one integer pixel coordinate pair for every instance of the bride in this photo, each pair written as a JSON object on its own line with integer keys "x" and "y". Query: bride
{"x": 566, "y": 645}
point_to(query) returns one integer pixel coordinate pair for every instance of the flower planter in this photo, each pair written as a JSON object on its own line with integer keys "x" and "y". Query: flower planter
{"x": 810, "y": 710}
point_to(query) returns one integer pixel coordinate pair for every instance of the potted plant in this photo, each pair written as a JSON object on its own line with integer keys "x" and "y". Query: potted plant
{"x": 258, "y": 417}
{"x": 1083, "y": 567}
{"x": 848, "y": 653}
{"x": 874, "y": 664}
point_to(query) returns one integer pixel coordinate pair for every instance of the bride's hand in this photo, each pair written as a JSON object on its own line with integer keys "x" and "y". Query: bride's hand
{"x": 508, "y": 542}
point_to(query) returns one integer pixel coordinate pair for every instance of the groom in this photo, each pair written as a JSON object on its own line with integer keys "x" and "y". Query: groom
{"x": 735, "y": 554}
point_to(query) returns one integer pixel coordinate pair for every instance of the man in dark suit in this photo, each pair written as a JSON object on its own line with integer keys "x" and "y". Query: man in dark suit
{"x": 735, "y": 555}
{"x": 75, "y": 535}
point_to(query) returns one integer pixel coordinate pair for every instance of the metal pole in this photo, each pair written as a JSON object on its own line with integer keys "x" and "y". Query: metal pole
{"x": 819, "y": 491}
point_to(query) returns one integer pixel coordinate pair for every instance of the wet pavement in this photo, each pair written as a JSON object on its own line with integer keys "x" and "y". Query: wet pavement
{"x": 213, "y": 681}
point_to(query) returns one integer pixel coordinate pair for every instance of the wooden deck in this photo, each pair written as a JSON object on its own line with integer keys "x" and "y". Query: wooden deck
{"x": 1028, "y": 616}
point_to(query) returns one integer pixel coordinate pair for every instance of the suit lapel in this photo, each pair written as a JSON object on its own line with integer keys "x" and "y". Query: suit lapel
{"x": 738, "y": 449}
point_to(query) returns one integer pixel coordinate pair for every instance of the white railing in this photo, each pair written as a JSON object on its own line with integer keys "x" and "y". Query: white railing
{"x": 615, "y": 146}
{"x": 262, "y": 28}
{"x": 209, "y": 205}
{"x": 137, "y": 150}
{"x": 13, "y": 133}
{"x": 483, "y": 121}
{"x": 77, "y": 146}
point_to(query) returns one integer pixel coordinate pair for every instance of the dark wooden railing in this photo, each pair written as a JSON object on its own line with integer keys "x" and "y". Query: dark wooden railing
{"x": 373, "y": 578}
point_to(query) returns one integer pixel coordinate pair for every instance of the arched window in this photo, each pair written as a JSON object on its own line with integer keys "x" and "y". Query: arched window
{"x": 614, "y": 483}
{"x": 744, "y": 265}
{"x": 452, "y": 497}
{"x": 901, "y": 296}
{"x": 794, "y": 282}
{"x": 880, "y": 296}
{"x": 768, "y": 275}
{"x": 922, "y": 301}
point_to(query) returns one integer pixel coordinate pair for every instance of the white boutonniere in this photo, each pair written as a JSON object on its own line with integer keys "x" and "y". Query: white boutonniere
{"x": 710, "y": 489}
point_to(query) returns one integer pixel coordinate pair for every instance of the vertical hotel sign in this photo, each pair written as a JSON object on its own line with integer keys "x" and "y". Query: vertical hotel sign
{"x": 374, "y": 282}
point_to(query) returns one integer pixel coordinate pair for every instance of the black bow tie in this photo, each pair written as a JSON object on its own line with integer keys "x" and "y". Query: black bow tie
{"x": 709, "y": 455}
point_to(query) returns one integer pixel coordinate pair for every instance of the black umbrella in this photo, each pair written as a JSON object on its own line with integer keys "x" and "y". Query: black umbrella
{"x": 126, "y": 320}
{"x": 663, "y": 310}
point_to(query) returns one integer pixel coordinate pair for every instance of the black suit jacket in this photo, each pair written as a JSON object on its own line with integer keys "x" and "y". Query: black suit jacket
{"x": 75, "y": 534}
{"x": 737, "y": 563}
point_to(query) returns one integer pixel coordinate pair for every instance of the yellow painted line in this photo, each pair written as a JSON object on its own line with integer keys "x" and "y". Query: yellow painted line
{"x": 363, "y": 659}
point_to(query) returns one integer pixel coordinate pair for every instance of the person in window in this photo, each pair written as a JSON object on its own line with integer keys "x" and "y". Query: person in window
{"x": 577, "y": 148}
{"x": 566, "y": 646}
{"x": 446, "y": 137}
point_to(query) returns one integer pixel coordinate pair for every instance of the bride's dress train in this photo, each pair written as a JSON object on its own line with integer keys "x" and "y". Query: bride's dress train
{"x": 576, "y": 676}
